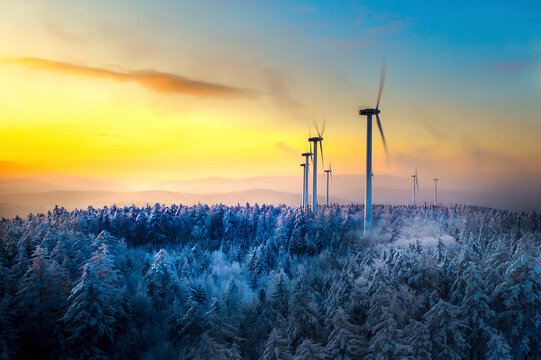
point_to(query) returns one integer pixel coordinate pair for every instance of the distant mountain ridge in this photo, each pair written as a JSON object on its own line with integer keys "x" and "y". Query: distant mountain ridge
{"x": 22, "y": 196}
{"x": 40, "y": 202}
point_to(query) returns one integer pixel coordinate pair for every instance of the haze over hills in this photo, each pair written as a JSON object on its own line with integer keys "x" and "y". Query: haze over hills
{"x": 41, "y": 202}
{"x": 29, "y": 195}
{"x": 347, "y": 184}
{"x": 53, "y": 183}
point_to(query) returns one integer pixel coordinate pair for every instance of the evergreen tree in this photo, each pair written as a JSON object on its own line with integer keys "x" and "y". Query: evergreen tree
{"x": 279, "y": 299}
{"x": 518, "y": 298}
{"x": 95, "y": 305}
{"x": 310, "y": 350}
{"x": 8, "y": 333}
{"x": 476, "y": 312}
{"x": 497, "y": 348}
{"x": 303, "y": 319}
{"x": 161, "y": 281}
{"x": 418, "y": 339}
{"x": 300, "y": 243}
{"x": 446, "y": 331}
{"x": 382, "y": 323}
{"x": 276, "y": 347}
{"x": 40, "y": 303}
{"x": 345, "y": 342}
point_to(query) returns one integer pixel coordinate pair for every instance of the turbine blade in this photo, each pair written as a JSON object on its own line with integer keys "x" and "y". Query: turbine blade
{"x": 323, "y": 127}
{"x": 383, "y": 139}
{"x": 317, "y": 128}
{"x": 381, "y": 80}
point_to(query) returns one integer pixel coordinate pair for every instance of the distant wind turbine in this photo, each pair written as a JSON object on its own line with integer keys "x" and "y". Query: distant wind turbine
{"x": 369, "y": 113}
{"x": 303, "y": 184}
{"x": 415, "y": 178}
{"x": 329, "y": 172}
{"x": 306, "y": 155}
{"x": 436, "y": 190}
{"x": 316, "y": 140}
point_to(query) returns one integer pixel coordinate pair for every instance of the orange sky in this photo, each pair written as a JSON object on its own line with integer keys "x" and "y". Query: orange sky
{"x": 85, "y": 99}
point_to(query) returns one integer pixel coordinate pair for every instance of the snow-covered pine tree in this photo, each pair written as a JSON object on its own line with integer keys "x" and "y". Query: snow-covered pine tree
{"x": 345, "y": 341}
{"x": 418, "y": 339}
{"x": 382, "y": 323}
{"x": 310, "y": 350}
{"x": 95, "y": 305}
{"x": 497, "y": 348}
{"x": 299, "y": 244}
{"x": 303, "y": 320}
{"x": 279, "y": 299}
{"x": 277, "y": 347}
{"x": 161, "y": 281}
{"x": 446, "y": 331}
{"x": 476, "y": 312}
{"x": 518, "y": 299}
{"x": 40, "y": 304}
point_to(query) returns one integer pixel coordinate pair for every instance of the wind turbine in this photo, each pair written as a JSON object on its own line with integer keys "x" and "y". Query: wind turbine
{"x": 306, "y": 172}
{"x": 436, "y": 190}
{"x": 329, "y": 172}
{"x": 415, "y": 178}
{"x": 315, "y": 140}
{"x": 303, "y": 184}
{"x": 368, "y": 189}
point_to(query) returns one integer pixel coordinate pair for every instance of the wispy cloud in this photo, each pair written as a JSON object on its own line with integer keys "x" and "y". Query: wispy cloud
{"x": 276, "y": 85}
{"x": 282, "y": 146}
{"x": 155, "y": 81}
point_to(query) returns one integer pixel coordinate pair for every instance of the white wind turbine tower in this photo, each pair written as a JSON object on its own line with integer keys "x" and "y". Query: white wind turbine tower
{"x": 306, "y": 155}
{"x": 328, "y": 172}
{"x": 415, "y": 178}
{"x": 436, "y": 190}
{"x": 303, "y": 184}
{"x": 315, "y": 140}
{"x": 368, "y": 189}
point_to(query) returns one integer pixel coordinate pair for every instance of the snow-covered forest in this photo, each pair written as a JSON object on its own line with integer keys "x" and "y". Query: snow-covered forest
{"x": 264, "y": 282}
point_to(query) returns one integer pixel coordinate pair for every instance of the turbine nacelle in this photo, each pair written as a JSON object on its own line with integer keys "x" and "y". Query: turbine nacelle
{"x": 307, "y": 154}
{"x": 315, "y": 139}
{"x": 367, "y": 112}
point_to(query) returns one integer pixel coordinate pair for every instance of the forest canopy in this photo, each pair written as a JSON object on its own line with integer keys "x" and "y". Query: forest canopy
{"x": 266, "y": 282}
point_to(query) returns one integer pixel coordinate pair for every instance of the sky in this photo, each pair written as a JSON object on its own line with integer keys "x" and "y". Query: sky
{"x": 140, "y": 91}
